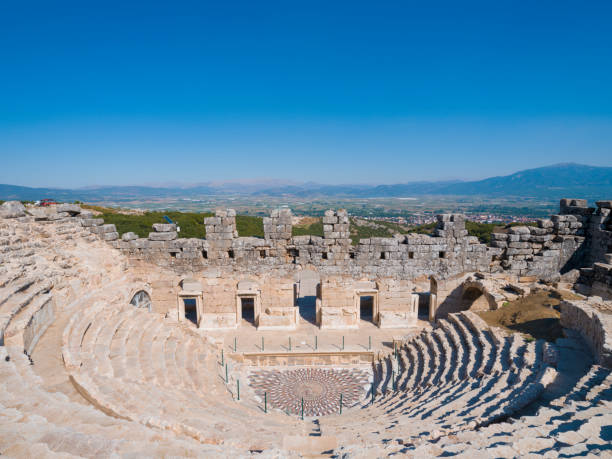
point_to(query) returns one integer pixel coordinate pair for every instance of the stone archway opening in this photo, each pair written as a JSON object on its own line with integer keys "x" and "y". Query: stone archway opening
{"x": 474, "y": 299}
{"x": 141, "y": 300}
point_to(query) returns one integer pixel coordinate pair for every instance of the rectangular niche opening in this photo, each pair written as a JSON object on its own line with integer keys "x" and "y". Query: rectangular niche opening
{"x": 324, "y": 255}
{"x": 191, "y": 310}
{"x": 366, "y": 308}
{"x": 442, "y": 254}
{"x": 204, "y": 254}
{"x": 383, "y": 256}
{"x": 411, "y": 255}
{"x": 248, "y": 309}
{"x": 230, "y": 253}
{"x": 262, "y": 254}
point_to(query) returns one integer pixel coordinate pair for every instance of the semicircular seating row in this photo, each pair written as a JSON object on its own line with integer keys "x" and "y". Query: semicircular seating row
{"x": 136, "y": 365}
{"x": 448, "y": 391}
{"x": 35, "y": 422}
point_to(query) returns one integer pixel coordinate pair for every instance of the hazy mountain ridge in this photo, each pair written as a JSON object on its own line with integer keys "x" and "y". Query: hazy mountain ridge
{"x": 550, "y": 182}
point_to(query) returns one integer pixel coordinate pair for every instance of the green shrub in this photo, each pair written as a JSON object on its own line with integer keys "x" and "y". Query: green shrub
{"x": 314, "y": 229}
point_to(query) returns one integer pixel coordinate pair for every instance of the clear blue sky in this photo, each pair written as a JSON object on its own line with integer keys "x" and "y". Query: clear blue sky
{"x": 104, "y": 92}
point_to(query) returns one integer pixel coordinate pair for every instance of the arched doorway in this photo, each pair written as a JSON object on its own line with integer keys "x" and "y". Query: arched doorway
{"x": 474, "y": 299}
{"x": 141, "y": 300}
{"x": 307, "y": 290}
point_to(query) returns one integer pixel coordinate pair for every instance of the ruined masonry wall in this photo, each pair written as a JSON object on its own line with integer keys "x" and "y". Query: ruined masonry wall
{"x": 594, "y": 327}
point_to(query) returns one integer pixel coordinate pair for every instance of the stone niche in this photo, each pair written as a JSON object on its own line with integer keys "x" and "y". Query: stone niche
{"x": 219, "y": 303}
{"x": 278, "y": 305}
{"x": 346, "y": 302}
{"x": 398, "y": 305}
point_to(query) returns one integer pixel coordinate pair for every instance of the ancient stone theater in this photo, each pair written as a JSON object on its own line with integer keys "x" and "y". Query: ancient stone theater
{"x": 300, "y": 346}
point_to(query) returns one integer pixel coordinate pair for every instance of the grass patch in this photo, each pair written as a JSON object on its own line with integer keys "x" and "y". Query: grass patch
{"x": 310, "y": 229}
{"x": 536, "y": 315}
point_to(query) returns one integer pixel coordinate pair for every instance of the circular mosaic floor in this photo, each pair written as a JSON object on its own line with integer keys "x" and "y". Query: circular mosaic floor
{"x": 319, "y": 388}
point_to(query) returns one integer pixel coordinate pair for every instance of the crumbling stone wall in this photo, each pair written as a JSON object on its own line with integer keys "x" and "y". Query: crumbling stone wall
{"x": 577, "y": 237}
{"x": 594, "y": 327}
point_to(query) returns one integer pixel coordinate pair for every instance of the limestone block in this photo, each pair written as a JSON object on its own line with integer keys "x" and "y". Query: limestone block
{"x": 129, "y": 236}
{"x": 330, "y": 220}
{"x": 112, "y": 236}
{"x": 212, "y": 221}
{"x": 168, "y": 236}
{"x": 164, "y": 227}
{"x": 12, "y": 209}
{"x": 89, "y": 222}
{"x": 108, "y": 228}
{"x": 519, "y": 230}
{"x": 72, "y": 209}
{"x": 545, "y": 223}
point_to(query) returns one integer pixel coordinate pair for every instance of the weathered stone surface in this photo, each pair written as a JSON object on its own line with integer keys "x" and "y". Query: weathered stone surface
{"x": 164, "y": 227}
{"x": 168, "y": 236}
{"x": 72, "y": 209}
{"x": 12, "y": 209}
{"x": 129, "y": 236}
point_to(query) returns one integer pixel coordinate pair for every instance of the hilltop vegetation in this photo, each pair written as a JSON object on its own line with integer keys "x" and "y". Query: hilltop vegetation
{"x": 191, "y": 223}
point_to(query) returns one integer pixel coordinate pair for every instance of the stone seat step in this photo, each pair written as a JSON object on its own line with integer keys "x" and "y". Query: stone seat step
{"x": 11, "y": 277}
{"x": 118, "y": 345}
{"x": 487, "y": 342}
{"x": 439, "y": 357}
{"x": 461, "y": 352}
{"x": 591, "y": 380}
{"x": 446, "y": 350}
{"x": 158, "y": 356}
{"x": 146, "y": 350}
{"x": 423, "y": 358}
{"x": 105, "y": 337}
{"x": 130, "y": 356}
{"x": 14, "y": 332}
{"x": 56, "y": 407}
{"x": 472, "y": 342}
{"x": 13, "y": 306}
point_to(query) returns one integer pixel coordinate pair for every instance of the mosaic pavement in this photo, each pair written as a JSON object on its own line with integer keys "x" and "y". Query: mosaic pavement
{"x": 319, "y": 388}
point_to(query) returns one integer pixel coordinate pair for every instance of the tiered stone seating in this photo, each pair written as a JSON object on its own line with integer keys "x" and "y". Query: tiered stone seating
{"x": 151, "y": 371}
{"x": 454, "y": 383}
{"x": 148, "y": 386}
{"x": 34, "y": 422}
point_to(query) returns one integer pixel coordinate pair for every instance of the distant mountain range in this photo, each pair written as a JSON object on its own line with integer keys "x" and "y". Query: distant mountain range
{"x": 551, "y": 182}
